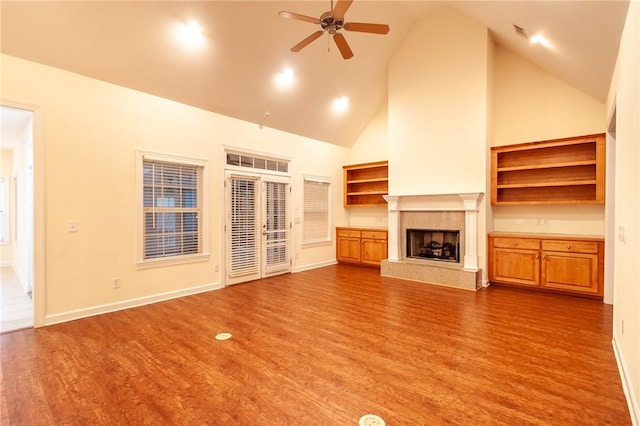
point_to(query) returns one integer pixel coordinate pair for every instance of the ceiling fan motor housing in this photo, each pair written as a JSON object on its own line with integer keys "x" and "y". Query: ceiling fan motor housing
{"x": 328, "y": 23}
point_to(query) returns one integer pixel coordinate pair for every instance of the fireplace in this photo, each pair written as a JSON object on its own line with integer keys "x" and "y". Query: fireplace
{"x": 434, "y": 239}
{"x": 433, "y": 244}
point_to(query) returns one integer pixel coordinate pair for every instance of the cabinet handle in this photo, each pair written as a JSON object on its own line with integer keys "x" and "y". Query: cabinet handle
{"x": 515, "y": 244}
{"x": 568, "y": 246}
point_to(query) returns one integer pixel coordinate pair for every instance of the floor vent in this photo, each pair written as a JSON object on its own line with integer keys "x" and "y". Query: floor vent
{"x": 223, "y": 336}
{"x": 371, "y": 420}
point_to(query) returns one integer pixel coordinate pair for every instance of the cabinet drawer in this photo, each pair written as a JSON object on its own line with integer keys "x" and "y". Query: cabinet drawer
{"x": 570, "y": 246}
{"x": 348, "y": 233}
{"x": 516, "y": 243}
{"x": 375, "y": 235}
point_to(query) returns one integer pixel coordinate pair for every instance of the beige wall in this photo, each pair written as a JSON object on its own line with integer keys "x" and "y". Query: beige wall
{"x": 91, "y": 133}
{"x": 438, "y": 107}
{"x": 532, "y": 105}
{"x": 6, "y": 173}
{"x": 624, "y": 98}
{"x": 372, "y": 145}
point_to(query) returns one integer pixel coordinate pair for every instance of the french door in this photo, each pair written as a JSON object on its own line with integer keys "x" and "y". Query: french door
{"x": 257, "y": 226}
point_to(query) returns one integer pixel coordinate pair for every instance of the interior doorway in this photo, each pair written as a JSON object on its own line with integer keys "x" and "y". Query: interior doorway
{"x": 257, "y": 226}
{"x": 17, "y": 218}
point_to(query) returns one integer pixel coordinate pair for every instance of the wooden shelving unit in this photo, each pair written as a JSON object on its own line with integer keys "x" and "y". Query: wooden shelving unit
{"x": 561, "y": 171}
{"x": 365, "y": 184}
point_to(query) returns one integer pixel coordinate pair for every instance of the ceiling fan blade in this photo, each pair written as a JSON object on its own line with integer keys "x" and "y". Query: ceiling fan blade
{"x": 366, "y": 28}
{"x": 291, "y": 15}
{"x": 343, "y": 46}
{"x": 298, "y": 47}
{"x": 341, "y": 8}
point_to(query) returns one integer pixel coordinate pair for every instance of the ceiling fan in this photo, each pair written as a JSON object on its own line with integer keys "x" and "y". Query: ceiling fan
{"x": 332, "y": 22}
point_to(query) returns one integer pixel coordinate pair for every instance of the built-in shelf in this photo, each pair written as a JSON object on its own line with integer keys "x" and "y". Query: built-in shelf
{"x": 561, "y": 171}
{"x": 365, "y": 184}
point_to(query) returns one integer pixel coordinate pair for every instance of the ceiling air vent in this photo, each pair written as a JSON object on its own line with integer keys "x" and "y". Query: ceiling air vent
{"x": 520, "y": 31}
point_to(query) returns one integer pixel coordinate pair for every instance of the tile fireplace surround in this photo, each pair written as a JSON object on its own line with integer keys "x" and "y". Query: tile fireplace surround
{"x": 443, "y": 211}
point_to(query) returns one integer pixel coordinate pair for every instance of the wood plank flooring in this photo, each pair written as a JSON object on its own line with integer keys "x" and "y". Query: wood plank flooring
{"x": 322, "y": 347}
{"x": 16, "y": 306}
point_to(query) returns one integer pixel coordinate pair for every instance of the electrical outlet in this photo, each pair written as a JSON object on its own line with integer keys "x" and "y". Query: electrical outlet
{"x": 621, "y": 234}
{"x": 622, "y": 327}
{"x": 116, "y": 283}
{"x": 216, "y": 268}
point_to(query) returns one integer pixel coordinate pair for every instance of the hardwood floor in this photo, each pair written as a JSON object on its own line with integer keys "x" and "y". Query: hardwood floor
{"x": 323, "y": 347}
{"x": 16, "y": 306}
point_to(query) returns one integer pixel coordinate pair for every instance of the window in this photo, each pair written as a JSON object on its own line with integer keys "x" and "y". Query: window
{"x": 172, "y": 207}
{"x": 316, "y": 215}
{"x": 255, "y": 162}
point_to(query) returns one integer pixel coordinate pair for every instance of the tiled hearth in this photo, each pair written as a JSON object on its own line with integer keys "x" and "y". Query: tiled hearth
{"x": 443, "y": 211}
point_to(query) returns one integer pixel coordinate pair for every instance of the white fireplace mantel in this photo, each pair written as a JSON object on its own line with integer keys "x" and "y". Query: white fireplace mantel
{"x": 466, "y": 202}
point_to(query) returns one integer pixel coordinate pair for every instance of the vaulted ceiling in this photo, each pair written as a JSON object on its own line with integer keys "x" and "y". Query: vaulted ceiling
{"x": 133, "y": 44}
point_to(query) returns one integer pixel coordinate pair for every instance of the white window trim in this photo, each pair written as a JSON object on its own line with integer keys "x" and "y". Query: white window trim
{"x": 140, "y": 261}
{"x": 329, "y": 240}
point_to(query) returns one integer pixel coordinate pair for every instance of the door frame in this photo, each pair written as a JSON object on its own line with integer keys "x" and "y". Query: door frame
{"x": 259, "y": 174}
{"x": 38, "y": 241}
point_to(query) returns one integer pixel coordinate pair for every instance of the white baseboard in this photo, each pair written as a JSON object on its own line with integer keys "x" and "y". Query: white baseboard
{"x": 126, "y": 304}
{"x": 627, "y": 386}
{"x": 313, "y": 266}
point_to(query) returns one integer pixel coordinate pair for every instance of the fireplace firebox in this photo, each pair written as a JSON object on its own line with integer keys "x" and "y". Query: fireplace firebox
{"x": 433, "y": 244}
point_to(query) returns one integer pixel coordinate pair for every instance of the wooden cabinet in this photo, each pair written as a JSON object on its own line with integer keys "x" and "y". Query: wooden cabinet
{"x": 515, "y": 260}
{"x": 561, "y": 171}
{"x": 362, "y": 246}
{"x": 365, "y": 184}
{"x": 548, "y": 262}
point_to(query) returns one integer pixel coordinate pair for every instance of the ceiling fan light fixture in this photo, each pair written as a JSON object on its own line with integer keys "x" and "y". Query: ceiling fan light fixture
{"x": 332, "y": 22}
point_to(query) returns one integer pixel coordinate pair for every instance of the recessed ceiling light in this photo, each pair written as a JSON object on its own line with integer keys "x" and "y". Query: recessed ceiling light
{"x": 190, "y": 34}
{"x": 539, "y": 39}
{"x": 340, "y": 105}
{"x": 285, "y": 78}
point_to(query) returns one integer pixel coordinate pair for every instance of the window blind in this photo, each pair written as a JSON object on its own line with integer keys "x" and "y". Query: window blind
{"x": 172, "y": 205}
{"x": 316, "y": 211}
{"x": 277, "y": 225}
{"x": 244, "y": 243}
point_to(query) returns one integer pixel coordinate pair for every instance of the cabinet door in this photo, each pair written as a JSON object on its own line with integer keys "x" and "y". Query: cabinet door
{"x": 515, "y": 266}
{"x": 577, "y": 272}
{"x": 373, "y": 251}
{"x": 348, "y": 249}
